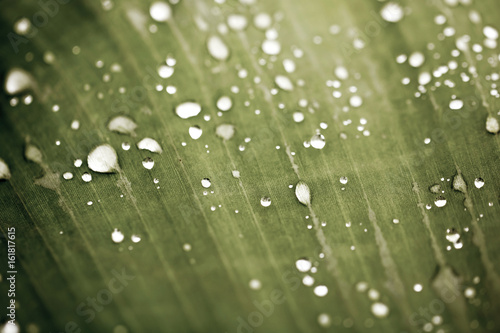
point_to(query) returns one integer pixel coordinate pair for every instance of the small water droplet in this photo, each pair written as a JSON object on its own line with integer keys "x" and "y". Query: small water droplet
{"x": 271, "y": 47}
{"x": 417, "y": 287}
{"x": 217, "y": 48}
{"x": 395, "y": 221}
{"x": 224, "y": 103}
{"x": 470, "y": 292}
{"x": 237, "y": 22}
{"x": 150, "y": 145}
{"x": 135, "y": 238}
{"x": 283, "y": 82}
{"x": 416, "y": 59}
{"x": 318, "y": 141}
{"x": 255, "y": 284}
{"x": 188, "y": 109}
{"x": 125, "y": 146}
{"x": 303, "y": 265}
{"x": 160, "y": 11}
{"x": 392, "y": 12}
{"x": 321, "y": 290}
{"x": 67, "y": 175}
{"x": 380, "y": 310}
{"x": 262, "y": 21}
{"x": 225, "y": 131}
{"x": 440, "y": 201}
{"x": 195, "y": 132}
{"x": 236, "y": 174}
{"x": 343, "y": 180}
{"x": 148, "y": 163}
{"x": 478, "y": 182}
{"x": 78, "y": 163}
{"x": 308, "y": 280}
{"x": 303, "y": 193}
{"x": 122, "y": 125}
{"x": 298, "y": 117}
{"x": 324, "y": 320}
{"x": 206, "y": 183}
{"x": 456, "y": 104}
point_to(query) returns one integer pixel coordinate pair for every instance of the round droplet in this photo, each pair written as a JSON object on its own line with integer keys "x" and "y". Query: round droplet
{"x": 492, "y": 125}
{"x": 122, "y": 125}
{"x": 262, "y": 21}
{"x": 271, "y": 47}
{"x": 195, "y": 132}
{"x": 87, "y": 177}
{"x": 67, "y": 175}
{"x": 117, "y": 236}
{"x": 416, "y": 59}
{"x": 165, "y": 71}
{"x": 469, "y": 292}
{"x": 303, "y": 265}
{"x": 255, "y": 284}
{"x": 440, "y": 201}
{"x": 417, "y": 287}
{"x": 225, "y": 131}
{"x": 265, "y": 201}
{"x": 298, "y": 117}
{"x": 224, "y": 103}
{"x": 22, "y": 26}
{"x": 148, "y": 163}
{"x": 206, "y": 183}
{"x": 125, "y": 146}
{"x": 343, "y": 180}
{"x": 392, "y": 12}
{"x": 490, "y": 32}
{"x": 160, "y": 11}
{"x": 318, "y": 141}
{"x": 103, "y": 159}
{"x": 478, "y": 182}
{"x": 324, "y": 320}
{"x": 355, "y": 101}
{"x": 456, "y": 104}
{"x": 380, "y": 310}
{"x": 321, "y": 291}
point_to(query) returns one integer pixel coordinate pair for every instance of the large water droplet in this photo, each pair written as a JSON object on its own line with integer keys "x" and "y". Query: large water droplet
{"x": 150, "y": 144}
{"x": 148, "y": 163}
{"x": 225, "y": 131}
{"x": 303, "y": 193}
{"x": 4, "y": 170}
{"x": 117, "y": 236}
{"x": 283, "y": 82}
{"x": 18, "y": 80}
{"x": 318, "y": 141}
{"x": 265, "y": 201}
{"x": 380, "y": 310}
{"x": 217, "y": 48}
{"x": 440, "y": 201}
{"x": 392, "y": 12}
{"x": 188, "y": 109}
{"x": 490, "y": 32}
{"x": 160, "y": 11}
{"x": 478, "y": 182}
{"x": 303, "y": 265}
{"x": 195, "y": 132}
{"x": 492, "y": 125}
{"x": 224, "y": 103}
{"x": 122, "y": 125}
{"x": 103, "y": 159}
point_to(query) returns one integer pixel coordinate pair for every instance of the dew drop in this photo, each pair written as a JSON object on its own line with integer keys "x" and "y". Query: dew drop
{"x": 165, "y": 71}
{"x": 103, "y": 159}
{"x": 237, "y": 22}
{"x": 217, "y": 48}
{"x": 195, "y": 132}
{"x": 255, "y": 284}
{"x": 298, "y": 117}
{"x": 224, "y": 103}
{"x": 380, "y": 310}
{"x": 417, "y": 287}
{"x": 67, "y": 175}
{"x": 225, "y": 131}
{"x": 265, "y": 201}
{"x": 262, "y": 21}
{"x": 492, "y": 125}
{"x": 22, "y": 26}
{"x": 148, "y": 163}
{"x": 78, "y": 163}
{"x": 356, "y": 101}
{"x": 125, "y": 146}
{"x": 18, "y": 80}
{"x": 303, "y": 193}
{"x": 343, "y": 180}
{"x": 150, "y": 145}
{"x": 122, "y": 125}
{"x": 392, "y": 12}
{"x": 490, "y": 32}
{"x": 324, "y": 320}
{"x": 318, "y": 141}
{"x": 440, "y": 201}
{"x": 416, "y": 59}
{"x": 321, "y": 290}
{"x": 206, "y": 183}
{"x": 478, "y": 182}
{"x": 308, "y": 280}
{"x": 4, "y": 170}
{"x": 469, "y": 292}
{"x": 271, "y": 47}
{"x": 303, "y": 265}
{"x": 283, "y": 82}
{"x": 456, "y": 104}
{"x": 188, "y": 109}
{"x": 160, "y": 11}
{"x": 236, "y": 174}
{"x": 117, "y": 236}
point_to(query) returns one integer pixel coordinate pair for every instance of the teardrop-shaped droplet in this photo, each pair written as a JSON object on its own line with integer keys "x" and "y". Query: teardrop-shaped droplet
{"x": 18, "y": 80}
{"x": 195, "y": 132}
{"x": 4, "y": 170}
{"x": 188, "y": 109}
{"x": 217, "y": 48}
{"x": 103, "y": 159}
{"x": 148, "y": 163}
{"x": 150, "y": 144}
{"x": 122, "y": 125}
{"x": 303, "y": 193}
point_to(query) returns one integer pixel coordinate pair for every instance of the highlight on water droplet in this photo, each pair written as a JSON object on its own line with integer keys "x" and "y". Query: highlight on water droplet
{"x": 255, "y": 284}
{"x": 303, "y": 193}
{"x": 103, "y": 159}
{"x": 18, "y": 80}
{"x": 392, "y": 12}
{"x": 380, "y": 310}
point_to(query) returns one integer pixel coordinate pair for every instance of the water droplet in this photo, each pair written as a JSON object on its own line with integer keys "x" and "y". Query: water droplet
{"x": 195, "y": 132}
{"x": 298, "y": 117}
{"x": 265, "y": 201}
{"x": 255, "y": 284}
{"x": 236, "y": 174}
{"x": 324, "y": 320}
{"x": 271, "y": 47}
{"x": 303, "y": 265}
{"x": 478, "y": 182}
{"x": 452, "y": 235}
{"x": 459, "y": 183}
{"x": 303, "y": 193}
{"x": 356, "y": 101}
{"x": 456, "y": 104}
{"x": 135, "y": 238}
{"x": 321, "y": 290}
{"x": 237, "y": 22}
{"x": 206, "y": 183}
{"x": 417, "y": 287}
{"x": 440, "y": 201}
{"x": 318, "y": 141}
{"x": 22, "y": 26}
{"x": 4, "y": 170}
{"x": 470, "y": 292}
{"x": 308, "y": 280}
{"x": 78, "y": 163}
{"x": 75, "y": 125}
{"x": 490, "y": 32}
{"x": 262, "y": 21}
{"x": 492, "y": 125}
{"x": 225, "y": 131}
{"x": 436, "y": 188}
{"x": 148, "y": 163}
{"x": 283, "y": 82}
{"x": 125, "y": 146}
{"x": 395, "y": 221}
{"x": 416, "y": 59}
{"x": 361, "y": 286}
{"x": 150, "y": 145}
{"x": 392, "y": 12}
{"x": 343, "y": 180}
{"x": 217, "y": 48}
{"x": 117, "y": 236}
{"x": 165, "y": 71}
{"x": 380, "y": 310}
{"x": 186, "y": 247}
{"x": 67, "y": 175}
{"x": 188, "y": 109}
{"x": 18, "y": 80}
{"x": 224, "y": 103}
{"x": 160, "y": 11}
{"x": 122, "y": 125}
{"x": 103, "y": 159}
{"x": 424, "y": 78}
